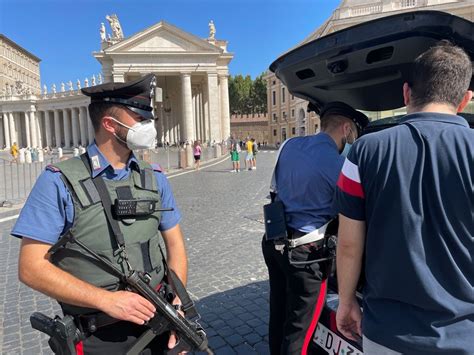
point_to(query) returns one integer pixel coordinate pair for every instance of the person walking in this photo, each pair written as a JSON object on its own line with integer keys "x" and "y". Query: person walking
{"x": 249, "y": 156}
{"x": 14, "y": 152}
{"x": 235, "y": 157}
{"x": 254, "y": 152}
{"x": 197, "y": 150}
{"x": 405, "y": 196}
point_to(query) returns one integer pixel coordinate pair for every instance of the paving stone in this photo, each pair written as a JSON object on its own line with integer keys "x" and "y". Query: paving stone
{"x": 252, "y": 338}
{"x": 244, "y": 349}
{"x": 216, "y": 342}
{"x": 234, "y": 339}
{"x": 226, "y": 350}
{"x": 262, "y": 348}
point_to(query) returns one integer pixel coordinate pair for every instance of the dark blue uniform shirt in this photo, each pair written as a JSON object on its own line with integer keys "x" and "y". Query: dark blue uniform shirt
{"x": 49, "y": 212}
{"x": 306, "y": 176}
{"x": 414, "y": 186}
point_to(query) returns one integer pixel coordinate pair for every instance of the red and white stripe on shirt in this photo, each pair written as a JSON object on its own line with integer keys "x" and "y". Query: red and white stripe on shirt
{"x": 349, "y": 180}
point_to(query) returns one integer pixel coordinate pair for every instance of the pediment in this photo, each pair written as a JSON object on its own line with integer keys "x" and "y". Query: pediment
{"x": 163, "y": 38}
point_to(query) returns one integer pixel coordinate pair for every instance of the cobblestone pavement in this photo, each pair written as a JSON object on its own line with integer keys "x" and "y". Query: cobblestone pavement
{"x": 222, "y": 224}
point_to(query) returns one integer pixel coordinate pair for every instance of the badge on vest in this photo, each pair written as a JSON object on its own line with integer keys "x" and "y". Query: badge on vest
{"x": 95, "y": 162}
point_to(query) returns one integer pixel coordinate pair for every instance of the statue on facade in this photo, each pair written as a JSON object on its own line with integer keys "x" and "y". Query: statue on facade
{"x": 53, "y": 88}
{"x": 63, "y": 87}
{"x": 115, "y": 26}
{"x": 86, "y": 83}
{"x": 78, "y": 83}
{"x": 69, "y": 84}
{"x": 100, "y": 78}
{"x": 212, "y": 30}
{"x": 103, "y": 35}
{"x": 45, "y": 90}
{"x": 93, "y": 80}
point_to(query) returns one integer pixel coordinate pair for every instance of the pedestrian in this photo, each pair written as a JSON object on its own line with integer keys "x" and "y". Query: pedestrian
{"x": 197, "y": 154}
{"x": 254, "y": 153}
{"x": 76, "y": 198}
{"x": 235, "y": 157}
{"x": 306, "y": 173}
{"x": 405, "y": 196}
{"x": 14, "y": 152}
{"x": 249, "y": 156}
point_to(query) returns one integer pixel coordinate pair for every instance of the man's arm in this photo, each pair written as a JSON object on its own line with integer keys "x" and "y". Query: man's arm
{"x": 350, "y": 250}
{"x": 36, "y": 271}
{"x": 176, "y": 252}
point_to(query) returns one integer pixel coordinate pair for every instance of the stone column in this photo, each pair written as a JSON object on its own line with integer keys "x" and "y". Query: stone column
{"x": 57, "y": 129}
{"x": 213, "y": 103}
{"x": 27, "y": 129}
{"x": 33, "y": 129}
{"x": 47, "y": 128}
{"x": 224, "y": 104}
{"x": 187, "y": 108}
{"x": 11, "y": 121}
{"x": 67, "y": 128}
{"x": 83, "y": 125}
{"x": 2, "y": 131}
{"x": 6, "y": 129}
{"x": 90, "y": 128}
{"x": 75, "y": 127}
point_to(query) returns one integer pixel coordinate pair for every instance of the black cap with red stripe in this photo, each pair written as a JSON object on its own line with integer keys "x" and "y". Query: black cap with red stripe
{"x": 136, "y": 95}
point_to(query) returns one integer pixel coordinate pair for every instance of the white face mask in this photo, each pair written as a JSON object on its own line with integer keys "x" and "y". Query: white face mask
{"x": 140, "y": 136}
{"x": 347, "y": 145}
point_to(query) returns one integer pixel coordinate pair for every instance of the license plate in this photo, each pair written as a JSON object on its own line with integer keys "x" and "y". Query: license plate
{"x": 332, "y": 343}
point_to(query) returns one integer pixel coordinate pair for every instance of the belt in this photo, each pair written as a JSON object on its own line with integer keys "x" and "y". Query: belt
{"x": 298, "y": 238}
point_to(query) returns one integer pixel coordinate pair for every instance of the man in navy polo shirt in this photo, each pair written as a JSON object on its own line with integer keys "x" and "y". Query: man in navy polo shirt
{"x": 406, "y": 195}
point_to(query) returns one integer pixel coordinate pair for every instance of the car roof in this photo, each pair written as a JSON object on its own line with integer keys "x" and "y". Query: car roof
{"x": 388, "y": 122}
{"x": 366, "y": 65}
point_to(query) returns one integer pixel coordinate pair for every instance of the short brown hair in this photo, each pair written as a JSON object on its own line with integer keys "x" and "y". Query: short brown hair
{"x": 98, "y": 110}
{"x": 330, "y": 122}
{"x": 440, "y": 75}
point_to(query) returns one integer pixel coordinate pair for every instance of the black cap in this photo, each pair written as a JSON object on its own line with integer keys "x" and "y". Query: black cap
{"x": 136, "y": 95}
{"x": 340, "y": 108}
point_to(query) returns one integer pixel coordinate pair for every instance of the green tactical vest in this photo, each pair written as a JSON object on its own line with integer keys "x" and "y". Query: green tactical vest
{"x": 142, "y": 239}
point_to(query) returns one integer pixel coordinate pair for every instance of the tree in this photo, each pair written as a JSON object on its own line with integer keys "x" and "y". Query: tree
{"x": 247, "y": 95}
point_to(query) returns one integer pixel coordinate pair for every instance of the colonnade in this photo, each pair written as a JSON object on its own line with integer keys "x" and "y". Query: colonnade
{"x": 60, "y": 127}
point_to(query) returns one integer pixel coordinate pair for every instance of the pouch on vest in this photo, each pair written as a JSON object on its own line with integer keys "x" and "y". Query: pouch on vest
{"x": 275, "y": 221}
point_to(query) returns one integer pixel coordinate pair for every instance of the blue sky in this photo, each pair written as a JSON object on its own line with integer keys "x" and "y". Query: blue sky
{"x": 64, "y": 33}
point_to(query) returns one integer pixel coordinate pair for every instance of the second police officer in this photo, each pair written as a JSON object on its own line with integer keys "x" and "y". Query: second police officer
{"x": 305, "y": 178}
{"x": 66, "y": 200}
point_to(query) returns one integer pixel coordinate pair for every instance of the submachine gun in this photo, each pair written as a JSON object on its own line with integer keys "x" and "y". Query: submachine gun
{"x": 64, "y": 334}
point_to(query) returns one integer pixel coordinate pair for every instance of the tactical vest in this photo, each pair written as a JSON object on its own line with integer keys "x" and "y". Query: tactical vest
{"x": 141, "y": 235}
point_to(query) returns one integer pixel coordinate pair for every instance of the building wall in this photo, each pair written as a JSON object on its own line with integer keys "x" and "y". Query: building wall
{"x": 349, "y": 13}
{"x": 251, "y": 126}
{"x": 18, "y": 65}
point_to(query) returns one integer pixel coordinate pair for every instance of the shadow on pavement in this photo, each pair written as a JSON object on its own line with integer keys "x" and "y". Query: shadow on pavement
{"x": 236, "y": 321}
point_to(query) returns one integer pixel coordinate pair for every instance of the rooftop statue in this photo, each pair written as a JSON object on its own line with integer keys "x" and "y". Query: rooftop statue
{"x": 212, "y": 30}
{"x": 102, "y": 32}
{"x": 115, "y": 26}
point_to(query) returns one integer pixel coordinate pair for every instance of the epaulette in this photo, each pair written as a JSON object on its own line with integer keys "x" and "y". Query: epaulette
{"x": 53, "y": 168}
{"x": 157, "y": 167}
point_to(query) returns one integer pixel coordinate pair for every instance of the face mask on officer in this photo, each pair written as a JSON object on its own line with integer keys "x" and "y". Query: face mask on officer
{"x": 345, "y": 143}
{"x": 140, "y": 136}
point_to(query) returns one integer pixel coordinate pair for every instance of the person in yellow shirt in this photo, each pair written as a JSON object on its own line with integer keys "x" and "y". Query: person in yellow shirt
{"x": 249, "y": 157}
{"x": 14, "y": 152}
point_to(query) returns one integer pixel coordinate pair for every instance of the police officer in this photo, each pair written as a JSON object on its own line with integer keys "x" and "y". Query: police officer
{"x": 66, "y": 201}
{"x": 305, "y": 176}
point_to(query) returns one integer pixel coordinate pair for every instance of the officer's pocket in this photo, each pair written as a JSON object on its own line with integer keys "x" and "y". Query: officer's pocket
{"x": 147, "y": 257}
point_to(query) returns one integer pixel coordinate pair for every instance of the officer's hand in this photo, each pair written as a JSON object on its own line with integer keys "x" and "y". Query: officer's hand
{"x": 173, "y": 340}
{"x": 128, "y": 306}
{"x": 348, "y": 319}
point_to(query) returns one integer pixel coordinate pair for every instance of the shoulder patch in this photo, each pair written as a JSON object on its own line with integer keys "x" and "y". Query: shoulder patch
{"x": 156, "y": 167}
{"x": 53, "y": 168}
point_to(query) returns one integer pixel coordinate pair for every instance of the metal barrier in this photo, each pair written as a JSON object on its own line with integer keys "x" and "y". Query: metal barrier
{"x": 17, "y": 179}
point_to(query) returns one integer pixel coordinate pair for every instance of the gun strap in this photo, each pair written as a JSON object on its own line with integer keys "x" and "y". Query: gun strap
{"x": 178, "y": 287}
{"x": 106, "y": 203}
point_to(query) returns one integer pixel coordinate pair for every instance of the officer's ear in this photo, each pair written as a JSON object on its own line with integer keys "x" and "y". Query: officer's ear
{"x": 406, "y": 94}
{"x": 465, "y": 101}
{"x": 109, "y": 124}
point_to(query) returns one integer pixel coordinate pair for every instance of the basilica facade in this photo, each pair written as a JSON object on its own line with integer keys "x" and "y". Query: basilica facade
{"x": 191, "y": 104}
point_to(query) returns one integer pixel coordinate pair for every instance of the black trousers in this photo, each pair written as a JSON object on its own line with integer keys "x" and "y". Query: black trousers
{"x": 294, "y": 291}
{"x": 117, "y": 339}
